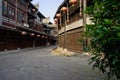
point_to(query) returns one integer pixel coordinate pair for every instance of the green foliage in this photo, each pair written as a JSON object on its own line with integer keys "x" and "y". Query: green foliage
{"x": 105, "y": 36}
{"x": 80, "y": 41}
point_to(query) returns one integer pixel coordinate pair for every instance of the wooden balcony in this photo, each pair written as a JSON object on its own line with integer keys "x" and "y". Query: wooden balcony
{"x": 8, "y": 22}
{"x": 74, "y": 25}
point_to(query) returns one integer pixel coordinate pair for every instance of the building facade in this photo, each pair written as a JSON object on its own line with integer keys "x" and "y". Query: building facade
{"x": 70, "y": 21}
{"x": 21, "y": 25}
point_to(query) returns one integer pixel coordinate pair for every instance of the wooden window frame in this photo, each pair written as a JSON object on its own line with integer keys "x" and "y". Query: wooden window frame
{"x": 5, "y": 11}
{"x": 11, "y": 11}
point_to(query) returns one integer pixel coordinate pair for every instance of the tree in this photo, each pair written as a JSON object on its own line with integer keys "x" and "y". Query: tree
{"x": 105, "y": 36}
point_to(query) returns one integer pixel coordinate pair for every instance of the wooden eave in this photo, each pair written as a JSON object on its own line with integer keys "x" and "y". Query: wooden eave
{"x": 63, "y": 4}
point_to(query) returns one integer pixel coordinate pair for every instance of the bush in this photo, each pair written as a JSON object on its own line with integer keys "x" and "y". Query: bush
{"x": 105, "y": 36}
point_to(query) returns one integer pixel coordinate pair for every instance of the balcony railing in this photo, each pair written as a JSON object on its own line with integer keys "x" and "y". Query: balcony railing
{"x": 74, "y": 25}
{"x": 8, "y": 20}
{"x": 31, "y": 20}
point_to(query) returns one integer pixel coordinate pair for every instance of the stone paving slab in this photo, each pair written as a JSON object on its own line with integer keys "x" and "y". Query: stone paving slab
{"x": 39, "y": 64}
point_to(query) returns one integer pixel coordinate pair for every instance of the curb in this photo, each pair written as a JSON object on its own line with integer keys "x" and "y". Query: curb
{"x": 21, "y": 50}
{"x": 14, "y": 51}
{"x": 18, "y": 50}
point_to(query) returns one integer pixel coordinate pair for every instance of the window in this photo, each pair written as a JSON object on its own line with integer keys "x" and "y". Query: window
{"x": 11, "y": 11}
{"x": 20, "y": 16}
{"x": 21, "y": 4}
{"x": 5, "y": 5}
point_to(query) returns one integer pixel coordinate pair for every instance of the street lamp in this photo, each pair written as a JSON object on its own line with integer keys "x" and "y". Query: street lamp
{"x": 64, "y": 10}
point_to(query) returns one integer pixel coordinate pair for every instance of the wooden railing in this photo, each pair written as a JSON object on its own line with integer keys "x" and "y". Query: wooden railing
{"x": 74, "y": 25}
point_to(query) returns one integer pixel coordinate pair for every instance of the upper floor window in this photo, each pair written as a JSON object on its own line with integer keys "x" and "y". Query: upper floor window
{"x": 22, "y": 4}
{"x": 38, "y": 18}
{"x": 20, "y": 16}
{"x": 12, "y": 2}
{"x": 8, "y": 10}
{"x": 5, "y": 8}
{"x": 11, "y": 11}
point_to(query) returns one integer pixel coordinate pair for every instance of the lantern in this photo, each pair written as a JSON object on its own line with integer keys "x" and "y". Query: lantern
{"x": 73, "y": 2}
{"x": 58, "y": 15}
{"x": 5, "y": 2}
{"x": 33, "y": 10}
{"x": 38, "y": 35}
{"x": 55, "y": 20}
{"x": 32, "y": 34}
{"x": 64, "y": 9}
{"x": 42, "y": 36}
{"x": 23, "y": 33}
{"x": 46, "y": 37}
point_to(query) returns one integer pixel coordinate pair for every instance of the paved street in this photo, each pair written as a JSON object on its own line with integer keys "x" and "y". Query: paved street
{"x": 39, "y": 64}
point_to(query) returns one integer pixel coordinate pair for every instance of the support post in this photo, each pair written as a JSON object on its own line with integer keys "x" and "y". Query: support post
{"x": 84, "y": 23}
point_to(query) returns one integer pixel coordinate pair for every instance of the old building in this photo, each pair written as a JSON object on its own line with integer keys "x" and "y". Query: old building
{"x": 71, "y": 22}
{"x": 50, "y": 28}
{"x": 21, "y": 25}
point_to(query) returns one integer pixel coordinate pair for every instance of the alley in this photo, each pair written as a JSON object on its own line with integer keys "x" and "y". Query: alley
{"x": 39, "y": 64}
